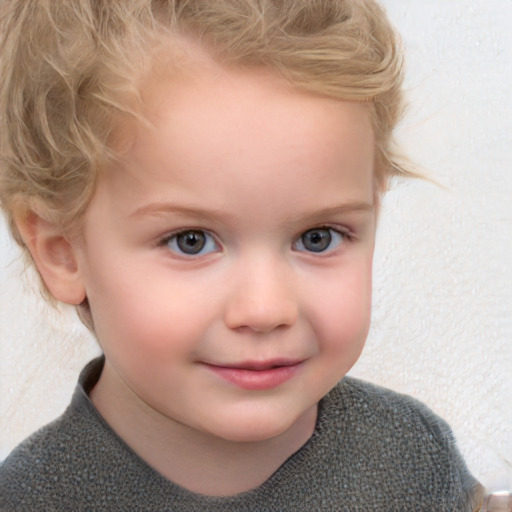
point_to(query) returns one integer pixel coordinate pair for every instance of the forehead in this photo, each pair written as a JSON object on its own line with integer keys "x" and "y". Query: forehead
{"x": 248, "y": 128}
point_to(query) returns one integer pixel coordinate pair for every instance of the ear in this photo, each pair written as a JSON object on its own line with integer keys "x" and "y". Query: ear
{"x": 54, "y": 256}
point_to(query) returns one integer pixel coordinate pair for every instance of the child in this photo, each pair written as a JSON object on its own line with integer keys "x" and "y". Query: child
{"x": 202, "y": 180}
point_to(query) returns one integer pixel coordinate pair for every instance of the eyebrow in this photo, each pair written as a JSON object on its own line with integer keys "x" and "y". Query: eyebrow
{"x": 157, "y": 208}
{"x": 182, "y": 210}
{"x": 346, "y": 208}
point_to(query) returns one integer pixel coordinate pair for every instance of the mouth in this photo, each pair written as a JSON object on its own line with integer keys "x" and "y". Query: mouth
{"x": 257, "y": 375}
{"x": 258, "y": 366}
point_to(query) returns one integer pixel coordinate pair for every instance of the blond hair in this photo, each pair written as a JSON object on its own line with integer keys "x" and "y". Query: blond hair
{"x": 68, "y": 70}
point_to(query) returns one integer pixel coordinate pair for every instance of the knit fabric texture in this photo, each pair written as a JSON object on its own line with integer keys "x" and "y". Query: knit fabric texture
{"x": 372, "y": 450}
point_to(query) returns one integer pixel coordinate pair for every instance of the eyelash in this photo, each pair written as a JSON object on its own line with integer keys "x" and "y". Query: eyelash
{"x": 172, "y": 239}
{"x": 344, "y": 236}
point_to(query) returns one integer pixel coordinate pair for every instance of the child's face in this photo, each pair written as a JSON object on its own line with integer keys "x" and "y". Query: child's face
{"x": 227, "y": 259}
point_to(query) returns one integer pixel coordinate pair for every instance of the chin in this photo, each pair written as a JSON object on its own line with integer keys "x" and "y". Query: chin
{"x": 252, "y": 437}
{"x": 254, "y": 429}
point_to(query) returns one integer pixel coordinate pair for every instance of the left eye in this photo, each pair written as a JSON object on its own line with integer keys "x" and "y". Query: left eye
{"x": 192, "y": 242}
{"x": 319, "y": 240}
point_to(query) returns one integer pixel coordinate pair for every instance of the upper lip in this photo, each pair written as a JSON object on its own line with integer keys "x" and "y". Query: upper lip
{"x": 258, "y": 365}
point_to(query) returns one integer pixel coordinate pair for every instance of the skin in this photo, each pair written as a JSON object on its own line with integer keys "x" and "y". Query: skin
{"x": 252, "y": 164}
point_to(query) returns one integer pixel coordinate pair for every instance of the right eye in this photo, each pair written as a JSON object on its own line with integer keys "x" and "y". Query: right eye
{"x": 191, "y": 242}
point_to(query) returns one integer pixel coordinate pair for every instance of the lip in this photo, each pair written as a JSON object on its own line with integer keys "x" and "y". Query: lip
{"x": 257, "y": 375}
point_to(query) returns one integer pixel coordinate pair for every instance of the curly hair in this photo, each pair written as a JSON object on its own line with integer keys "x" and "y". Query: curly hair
{"x": 71, "y": 70}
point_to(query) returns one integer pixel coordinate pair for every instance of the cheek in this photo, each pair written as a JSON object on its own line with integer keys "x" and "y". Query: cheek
{"x": 146, "y": 316}
{"x": 343, "y": 308}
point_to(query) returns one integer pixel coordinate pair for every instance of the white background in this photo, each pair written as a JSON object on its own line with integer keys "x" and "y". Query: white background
{"x": 442, "y": 328}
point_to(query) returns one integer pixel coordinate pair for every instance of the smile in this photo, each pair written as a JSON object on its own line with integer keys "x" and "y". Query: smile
{"x": 257, "y": 376}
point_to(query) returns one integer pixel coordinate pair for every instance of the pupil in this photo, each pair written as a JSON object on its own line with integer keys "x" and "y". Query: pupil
{"x": 191, "y": 242}
{"x": 317, "y": 240}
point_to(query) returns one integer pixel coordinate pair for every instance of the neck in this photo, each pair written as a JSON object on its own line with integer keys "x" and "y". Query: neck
{"x": 198, "y": 461}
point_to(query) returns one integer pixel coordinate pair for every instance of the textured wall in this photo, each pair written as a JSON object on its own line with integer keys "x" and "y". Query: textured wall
{"x": 442, "y": 327}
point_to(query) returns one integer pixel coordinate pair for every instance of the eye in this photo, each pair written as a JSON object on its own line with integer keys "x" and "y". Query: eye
{"x": 320, "y": 240}
{"x": 192, "y": 242}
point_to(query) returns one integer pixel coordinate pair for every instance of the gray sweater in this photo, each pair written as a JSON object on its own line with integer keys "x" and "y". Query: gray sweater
{"x": 372, "y": 450}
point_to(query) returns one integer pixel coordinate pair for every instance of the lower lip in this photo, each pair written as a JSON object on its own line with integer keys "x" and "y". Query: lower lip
{"x": 256, "y": 380}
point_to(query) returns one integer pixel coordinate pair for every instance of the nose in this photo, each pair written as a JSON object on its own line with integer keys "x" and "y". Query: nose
{"x": 262, "y": 298}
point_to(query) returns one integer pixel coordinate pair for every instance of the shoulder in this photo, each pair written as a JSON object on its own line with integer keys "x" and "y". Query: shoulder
{"x": 79, "y": 463}
{"x": 61, "y": 463}
{"x": 395, "y": 421}
{"x": 398, "y": 439}
{"x": 46, "y": 456}
{"x": 384, "y": 409}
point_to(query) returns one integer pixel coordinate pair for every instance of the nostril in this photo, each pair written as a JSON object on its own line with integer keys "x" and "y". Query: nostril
{"x": 259, "y": 320}
{"x": 262, "y": 301}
